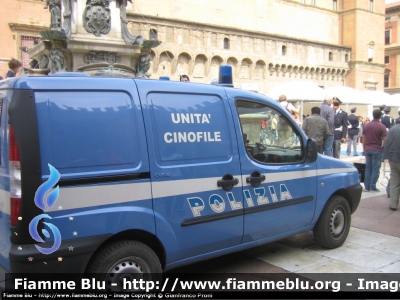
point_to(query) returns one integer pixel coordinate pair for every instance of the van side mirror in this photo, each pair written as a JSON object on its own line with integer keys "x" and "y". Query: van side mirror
{"x": 311, "y": 150}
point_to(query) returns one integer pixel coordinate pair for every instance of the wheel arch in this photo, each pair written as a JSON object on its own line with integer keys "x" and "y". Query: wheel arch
{"x": 136, "y": 235}
{"x": 346, "y": 195}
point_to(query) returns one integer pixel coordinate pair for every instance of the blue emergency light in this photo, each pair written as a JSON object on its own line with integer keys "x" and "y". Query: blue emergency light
{"x": 225, "y": 76}
{"x": 164, "y": 78}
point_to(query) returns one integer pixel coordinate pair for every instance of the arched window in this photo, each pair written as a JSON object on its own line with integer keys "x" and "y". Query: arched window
{"x": 330, "y": 56}
{"x": 226, "y": 43}
{"x": 153, "y": 34}
{"x": 346, "y": 58}
{"x": 283, "y": 50}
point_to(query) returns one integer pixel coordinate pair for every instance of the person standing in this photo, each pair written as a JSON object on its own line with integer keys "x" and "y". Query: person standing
{"x": 392, "y": 153}
{"x": 361, "y": 125}
{"x": 274, "y": 124}
{"x": 353, "y": 130}
{"x": 340, "y": 123}
{"x": 374, "y": 135}
{"x": 387, "y": 120}
{"x": 398, "y": 119}
{"x": 316, "y": 127}
{"x": 14, "y": 66}
{"x": 328, "y": 113}
{"x": 184, "y": 78}
{"x": 284, "y": 128}
{"x": 296, "y": 118}
{"x": 382, "y": 109}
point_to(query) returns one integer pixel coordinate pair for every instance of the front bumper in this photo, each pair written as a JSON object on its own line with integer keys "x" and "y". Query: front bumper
{"x": 355, "y": 196}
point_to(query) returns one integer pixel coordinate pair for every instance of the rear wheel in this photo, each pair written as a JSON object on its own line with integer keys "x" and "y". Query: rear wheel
{"x": 125, "y": 260}
{"x": 333, "y": 224}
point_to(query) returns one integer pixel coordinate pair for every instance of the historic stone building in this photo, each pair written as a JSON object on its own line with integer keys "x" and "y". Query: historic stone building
{"x": 331, "y": 42}
{"x": 20, "y": 23}
{"x": 392, "y": 49}
{"x": 267, "y": 42}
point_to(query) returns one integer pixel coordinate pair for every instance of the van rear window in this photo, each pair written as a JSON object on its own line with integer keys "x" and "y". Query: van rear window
{"x": 86, "y": 132}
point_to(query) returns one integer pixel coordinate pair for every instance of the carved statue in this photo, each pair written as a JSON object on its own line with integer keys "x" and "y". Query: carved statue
{"x": 34, "y": 64}
{"x": 54, "y": 7}
{"x": 126, "y": 35}
{"x": 99, "y": 57}
{"x": 142, "y": 66}
{"x": 43, "y": 61}
{"x": 97, "y": 17}
{"x": 57, "y": 61}
{"x": 67, "y": 17}
{"x": 110, "y": 72}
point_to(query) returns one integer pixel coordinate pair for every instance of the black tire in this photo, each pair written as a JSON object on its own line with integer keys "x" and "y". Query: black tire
{"x": 333, "y": 224}
{"x": 125, "y": 259}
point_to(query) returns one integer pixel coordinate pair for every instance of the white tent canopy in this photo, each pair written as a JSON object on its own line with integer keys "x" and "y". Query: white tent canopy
{"x": 375, "y": 98}
{"x": 298, "y": 91}
{"x": 345, "y": 94}
{"x": 393, "y": 102}
{"x": 306, "y": 92}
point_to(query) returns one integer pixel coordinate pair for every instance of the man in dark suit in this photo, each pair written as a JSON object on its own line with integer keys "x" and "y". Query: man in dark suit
{"x": 391, "y": 152}
{"x": 353, "y": 129}
{"x": 382, "y": 109}
{"x": 398, "y": 119}
{"x": 387, "y": 120}
{"x": 340, "y": 123}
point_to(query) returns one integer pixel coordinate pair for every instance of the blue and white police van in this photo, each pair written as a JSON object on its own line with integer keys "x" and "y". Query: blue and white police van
{"x": 118, "y": 175}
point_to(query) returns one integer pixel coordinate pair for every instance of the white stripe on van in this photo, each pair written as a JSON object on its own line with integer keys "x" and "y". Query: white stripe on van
{"x": 282, "y": 176}
{"x": 187, "y": 186}
{"x": 335, "y": 171}
{"x": 5, "y": 202}
{"x": 181, "y": 187}
{"x": 89, "y": 196}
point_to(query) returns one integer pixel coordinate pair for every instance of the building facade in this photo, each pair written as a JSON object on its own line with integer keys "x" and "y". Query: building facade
{"x": 392, "y": 49}
{"x": 267, "y": 42}
{"x": 21, "y": 21}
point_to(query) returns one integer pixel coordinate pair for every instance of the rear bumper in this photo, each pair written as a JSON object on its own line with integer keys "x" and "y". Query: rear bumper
{"x": 355, "y": 196}
{"x": 72, "y": 256}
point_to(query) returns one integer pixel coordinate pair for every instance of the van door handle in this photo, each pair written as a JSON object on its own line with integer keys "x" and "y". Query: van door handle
{"x": 227, "y": 182}
{"x": 255, "y": 179}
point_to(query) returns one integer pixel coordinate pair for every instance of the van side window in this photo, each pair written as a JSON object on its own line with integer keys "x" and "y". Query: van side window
{"x": 268, "y": 135}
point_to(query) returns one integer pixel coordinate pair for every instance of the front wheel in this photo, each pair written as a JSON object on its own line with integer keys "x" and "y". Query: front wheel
{"x": 333, "y": 224}
{"x": 125, "y": 260}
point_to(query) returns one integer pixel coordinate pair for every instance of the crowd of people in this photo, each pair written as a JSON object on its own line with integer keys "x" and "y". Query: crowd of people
{"x": 330, "y": 126}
